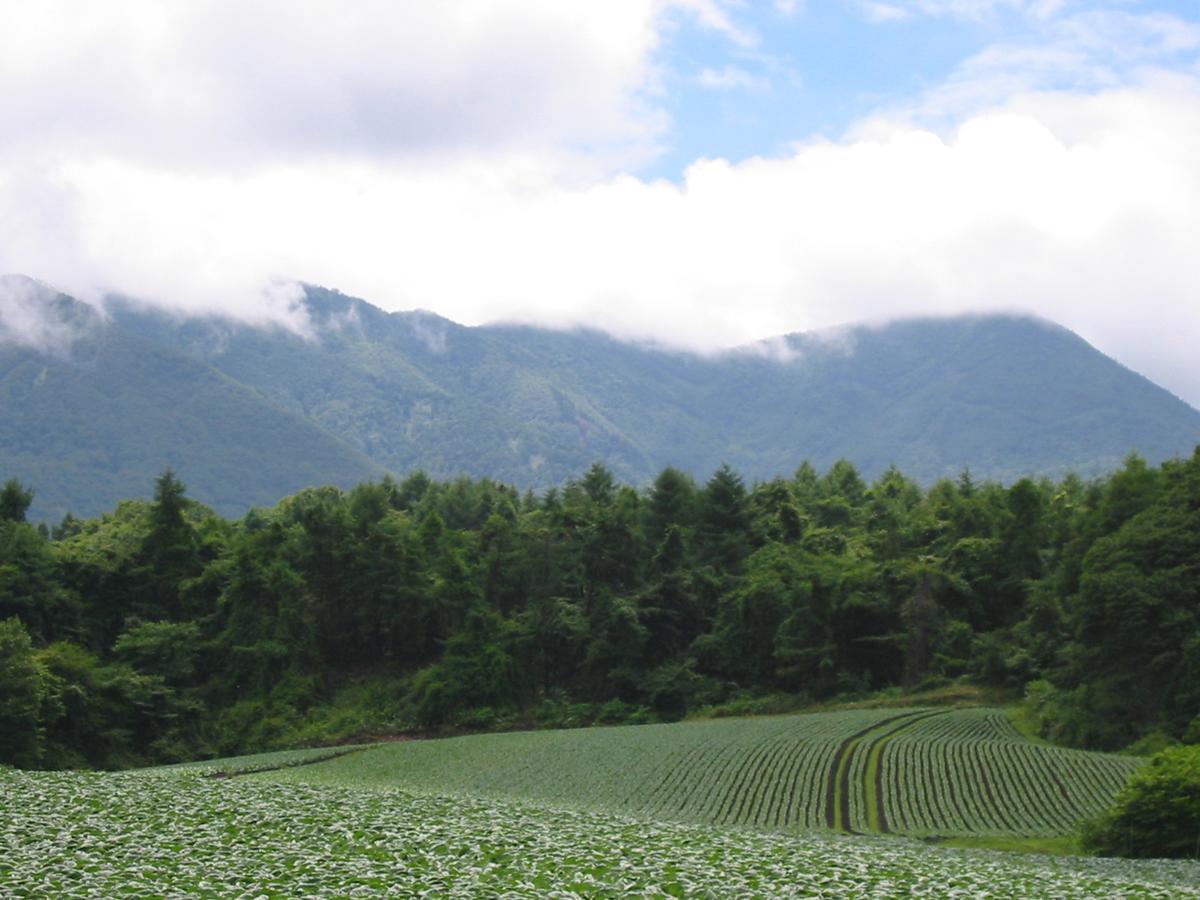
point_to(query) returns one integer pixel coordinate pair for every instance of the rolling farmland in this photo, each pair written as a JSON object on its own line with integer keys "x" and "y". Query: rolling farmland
{"x": 179, "y": 834}
{"x": 917, "y": 772}
{"x": 749, "y": 807}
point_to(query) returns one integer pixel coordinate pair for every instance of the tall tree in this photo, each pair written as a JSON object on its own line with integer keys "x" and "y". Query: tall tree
{"x": 1134, "y": 659}
{"x": 724, "y": 533}
{"x": 21, "y": 693}
{"x": 672, "y": 502}
{"x": 15, "y": 499}
{"x": 169, "y": 553}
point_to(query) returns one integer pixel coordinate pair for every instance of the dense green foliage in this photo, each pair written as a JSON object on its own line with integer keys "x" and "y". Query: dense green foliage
{"x": 163, "y": 632}
{"x": 180, "y": 835}
{"x": 248, "y": 415}
{"x": 1158, "y": 812}
{"x": 903, "y": 771}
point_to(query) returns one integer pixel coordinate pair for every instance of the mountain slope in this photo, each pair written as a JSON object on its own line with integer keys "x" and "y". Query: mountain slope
{"x": 1007, "y": 396}
{"x": 1003, "y": 395}
{"x": 94, "y": 422}
{"x": 248, "y": 414}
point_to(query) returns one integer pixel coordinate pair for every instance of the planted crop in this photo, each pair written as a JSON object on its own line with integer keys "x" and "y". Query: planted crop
{"x": 917, "y": 771}
{"x": 179, "y": 834}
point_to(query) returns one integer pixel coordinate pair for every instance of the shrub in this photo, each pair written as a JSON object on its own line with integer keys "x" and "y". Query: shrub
{"x": 1157, "y": 814}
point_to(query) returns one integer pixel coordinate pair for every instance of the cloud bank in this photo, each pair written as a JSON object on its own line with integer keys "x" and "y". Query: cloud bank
{"x": 224, "y": 83}
{"x": 475, "y": 159}
{"x": 27, "y": 319}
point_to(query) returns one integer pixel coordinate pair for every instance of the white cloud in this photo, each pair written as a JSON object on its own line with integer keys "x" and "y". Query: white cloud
{"x": 1082, "y": 210}
{"x": 878, "y": 13}
{"x": 28, "y": 321}
{"x": 225, "y": 81}
{"x": 1075, "y": 198}
{"x": 970, "y": 10}
{"x": 1086, "y": 52}
{"x": 731, "y": 78}
{"x": 715, "y": 15}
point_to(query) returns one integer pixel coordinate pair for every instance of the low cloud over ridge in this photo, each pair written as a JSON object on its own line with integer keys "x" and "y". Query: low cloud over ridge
{"x": 506, "y": 193}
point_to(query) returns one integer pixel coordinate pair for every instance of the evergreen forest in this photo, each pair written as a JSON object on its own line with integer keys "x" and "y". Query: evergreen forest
{"x": 161, "y": 631}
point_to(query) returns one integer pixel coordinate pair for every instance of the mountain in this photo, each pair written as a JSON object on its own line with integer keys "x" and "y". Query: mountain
{"x": 87, "y": 421}
{"x": 247, "y": 415}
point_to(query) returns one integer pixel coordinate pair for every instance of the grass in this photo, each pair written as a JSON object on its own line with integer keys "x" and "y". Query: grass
{"x": 1022, "y": 719}
{"x": 1065, "y": 845}
{"x": 954, "y": 694}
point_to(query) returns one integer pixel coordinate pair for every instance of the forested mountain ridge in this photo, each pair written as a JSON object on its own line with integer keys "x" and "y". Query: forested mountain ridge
{"x": 86, "y": 416}
{"x": 364, "y": 391}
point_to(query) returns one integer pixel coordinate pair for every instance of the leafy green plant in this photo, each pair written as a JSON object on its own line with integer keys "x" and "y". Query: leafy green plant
{"x": 178, "y": 834}
{"x": 922, "y": 772}
{"x": 1157, "y": 814}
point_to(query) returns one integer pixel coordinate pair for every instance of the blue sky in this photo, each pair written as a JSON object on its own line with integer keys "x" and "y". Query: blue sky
{"x": 790, "y": 72}
{"x": 812, "y": 71}
{"x": 697, "y": 173}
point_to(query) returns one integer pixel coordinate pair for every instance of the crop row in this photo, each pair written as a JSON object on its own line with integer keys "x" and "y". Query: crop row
{"x": 913, "y": 771}
{"x": 260, "y": 762}
{"x": 763, "y": 772}
{"x": 853, "y": 800}
{"x": 181, "y": 835}
{"x": 970, "y": 773}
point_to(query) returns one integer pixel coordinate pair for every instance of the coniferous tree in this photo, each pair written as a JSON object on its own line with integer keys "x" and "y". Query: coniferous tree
{"x": 672, "y": 502}
{"x": 15, "y": 499}
{"x": 724, "y": 532}
{"x": 168, "y": 555}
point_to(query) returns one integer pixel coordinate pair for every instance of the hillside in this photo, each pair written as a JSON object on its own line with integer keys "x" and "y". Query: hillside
{"x": 247, "y": 415}
{"x": 918, "y": 772}
{"x": 1005, "y": 396}
{"x": 88, "y": 424}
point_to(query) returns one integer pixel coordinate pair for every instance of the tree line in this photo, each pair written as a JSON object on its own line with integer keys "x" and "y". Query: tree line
{"x": 161, "y": 631}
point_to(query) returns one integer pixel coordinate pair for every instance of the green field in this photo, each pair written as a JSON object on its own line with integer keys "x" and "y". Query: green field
{"x": 260, "y": 762}
{"x": 179, "y": 834}
{"x": 721, "y": 808}
{"x": 918, "y": 772}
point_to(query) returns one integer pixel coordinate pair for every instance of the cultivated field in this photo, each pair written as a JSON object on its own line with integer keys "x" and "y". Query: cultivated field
{"x": 918, "y": 772}
{"x": 727, "y": 808}
{"x": 179, "y": 834}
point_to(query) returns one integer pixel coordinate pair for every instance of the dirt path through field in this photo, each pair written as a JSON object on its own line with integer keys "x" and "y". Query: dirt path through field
{"x": 839, "y": 784}
{"x": 289, "y": 765}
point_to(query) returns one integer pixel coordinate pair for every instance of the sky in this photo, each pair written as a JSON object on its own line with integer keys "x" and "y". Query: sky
{"x": 696, "y": 173}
